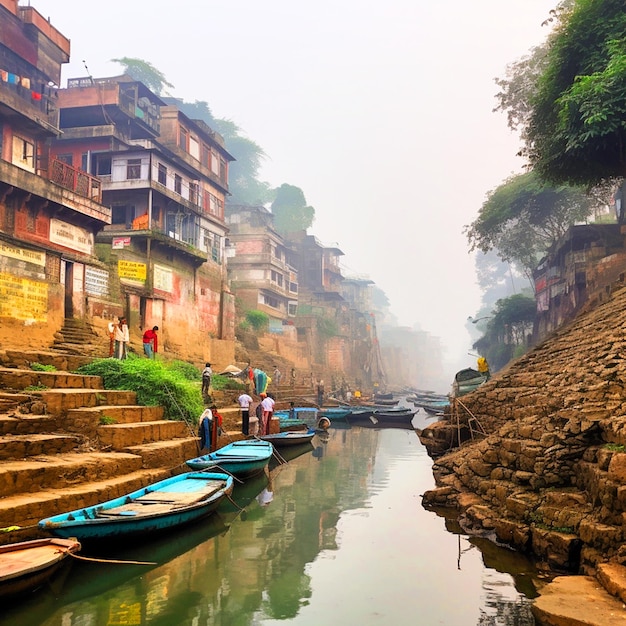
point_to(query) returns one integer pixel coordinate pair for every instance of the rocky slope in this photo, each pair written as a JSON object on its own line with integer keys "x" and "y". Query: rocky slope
{"x": 542, "y": 460}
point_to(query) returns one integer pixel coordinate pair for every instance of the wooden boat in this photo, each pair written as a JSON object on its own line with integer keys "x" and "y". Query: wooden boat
{"x": 334, "y": 413}
{"x": 160, "y": 506}
{"x": 289, "y": 438}
{"x": 242, "y": 459}
{"x": 25, "y": 566}
{"x": 399, "y": 417}
{"x": 466, "y": 380}
{"x": 298, "y": 416}
{"x": 435, "y": 407}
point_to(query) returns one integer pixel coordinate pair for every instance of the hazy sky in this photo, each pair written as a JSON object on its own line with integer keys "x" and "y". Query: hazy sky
{"x": 380, "y": 111}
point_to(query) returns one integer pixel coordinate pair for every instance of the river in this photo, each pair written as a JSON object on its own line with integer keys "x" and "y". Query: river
{"x": 337, "y": 535}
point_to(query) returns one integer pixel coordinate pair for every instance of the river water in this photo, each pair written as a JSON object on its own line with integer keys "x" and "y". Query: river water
{"x": 337, "y": 535}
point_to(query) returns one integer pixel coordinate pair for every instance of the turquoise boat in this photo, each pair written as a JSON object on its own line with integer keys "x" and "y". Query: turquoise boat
{"x": 298, "y": 416}
{"x": 242, "y": 459}
{"x": 290, "y": 438}
{"x": 163, "y": 505}
{"x": 334, "y": 413}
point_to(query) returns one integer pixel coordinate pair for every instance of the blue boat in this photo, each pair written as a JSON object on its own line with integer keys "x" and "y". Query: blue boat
{"x": 298, "y": 416}
{"x": 242, "y": 459}
{"x": 335, "y": 413}
{"x": 160, "y": 506}
{"x": 290, "y": 438}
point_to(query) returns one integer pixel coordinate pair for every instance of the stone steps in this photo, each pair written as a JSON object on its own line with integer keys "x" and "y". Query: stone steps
{"x": 38, "y": 473}
{"x": 26, "y": 424}
{"x": 14, "y": 447}
{"x": 21, "y": 379}
{"x": 120, "y": 436}
{"x": 26, "y": 509}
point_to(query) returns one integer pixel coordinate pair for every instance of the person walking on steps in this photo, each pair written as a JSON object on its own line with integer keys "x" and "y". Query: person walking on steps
{"x": 207, "y": 372}
{"x": 151, "y": 342}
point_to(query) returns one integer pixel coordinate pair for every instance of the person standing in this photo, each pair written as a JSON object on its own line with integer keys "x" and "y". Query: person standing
{"x": 277, "y": 376}
{"x": 268, "y": 411}
{"x": 151, "y": 342}
{"x": 207, "y": 373}
{"x": 122, "y": 337}
{"x": 245, "y": 401}
{"x": 320, "y": 392}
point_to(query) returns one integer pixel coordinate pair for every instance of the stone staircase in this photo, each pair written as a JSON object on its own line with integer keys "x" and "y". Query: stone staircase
{"x": 65, "y": 442}
{"x": 78, "y": 337}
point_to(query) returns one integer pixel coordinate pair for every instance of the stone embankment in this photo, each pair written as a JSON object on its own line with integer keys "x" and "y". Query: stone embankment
{"x": 542, "y": 463}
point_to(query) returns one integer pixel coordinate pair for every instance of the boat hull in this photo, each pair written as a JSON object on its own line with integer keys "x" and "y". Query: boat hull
{"x": 161, "y": 506}
{"x": 25, "y": 566}
{"x": 243, "y": 459}
{"x": 289, "y": 438}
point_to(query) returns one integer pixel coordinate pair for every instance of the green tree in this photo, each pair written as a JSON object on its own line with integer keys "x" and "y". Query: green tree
{"x": 524, "y": 216}
{"x": 291, "y": 212}
{"x": 506, "y": 331}
{"x": 145, "y": 72}
{"x": 576, "y": 131}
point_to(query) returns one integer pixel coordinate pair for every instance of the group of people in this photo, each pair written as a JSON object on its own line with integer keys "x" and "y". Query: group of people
{"x": 263, "y": 411}
{"x": 119, "y": 338}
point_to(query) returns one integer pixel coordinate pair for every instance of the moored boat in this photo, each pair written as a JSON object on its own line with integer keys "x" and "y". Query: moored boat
{"x": 334, "y": 413}
{"x": 160, "y": 506}
{"x": 25, "y": 566}
{"x": 289, "y": 438}
{"x": 242, "y": 459}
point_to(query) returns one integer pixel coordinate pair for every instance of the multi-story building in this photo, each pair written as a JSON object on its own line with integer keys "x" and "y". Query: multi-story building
{"x": 165, "y": 178}
{"x": 260, "y": 267}
{"x": 49, "y": 212}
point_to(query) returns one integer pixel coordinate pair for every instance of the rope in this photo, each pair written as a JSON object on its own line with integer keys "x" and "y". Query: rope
{"x": 115, "y": 561}
{"x": 190, "y": 426}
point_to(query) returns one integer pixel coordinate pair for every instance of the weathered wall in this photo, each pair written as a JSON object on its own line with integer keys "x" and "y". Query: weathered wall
{"x": 549, "y": 474}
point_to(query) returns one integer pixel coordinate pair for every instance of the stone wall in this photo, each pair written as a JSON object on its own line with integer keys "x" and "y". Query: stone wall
{"x": 542, "y": 463}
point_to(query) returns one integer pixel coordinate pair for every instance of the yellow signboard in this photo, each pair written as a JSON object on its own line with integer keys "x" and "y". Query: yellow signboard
{"x": 23, "y": 299}
{"x": 30, "y": 256}
{"x": 131, "y": 270}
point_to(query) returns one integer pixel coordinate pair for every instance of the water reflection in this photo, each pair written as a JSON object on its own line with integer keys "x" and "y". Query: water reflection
{"x": 336, "y": 535}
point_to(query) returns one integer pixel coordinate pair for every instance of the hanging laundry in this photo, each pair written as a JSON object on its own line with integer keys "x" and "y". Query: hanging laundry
{"x": 25, "y": 82}
{"x": 4, "y": 75}
{"x": 35, "y": 95}
{"x": 13, "y": 79}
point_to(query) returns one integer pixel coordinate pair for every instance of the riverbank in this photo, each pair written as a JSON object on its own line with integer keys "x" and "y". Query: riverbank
{"x": 542, "y": 461}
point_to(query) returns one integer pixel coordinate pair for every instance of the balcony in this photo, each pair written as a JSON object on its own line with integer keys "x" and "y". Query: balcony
{"x": 75, "y": 180}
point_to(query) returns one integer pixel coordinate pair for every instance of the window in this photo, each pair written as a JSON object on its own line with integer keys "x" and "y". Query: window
{"x": 194, "y": 148}
{"x": 178, "y": 183}
{"x": 84, "y": 161}
{"x": 65, "y": 158}
{"x": 213, "y": 205}
{"x": 23, "y": 153}
{"x": 193, "y": 193}
{"x": 215, "y": 163}
{"x": 182, "y": 138}
{"x": 162, "y": 175}
{"x": 133, "y": 169}
{"x": 292, "y": 309}
{"x": 103, "y": 166}
{"x": 269, "y": 301}
{"x": 277, "y": 278}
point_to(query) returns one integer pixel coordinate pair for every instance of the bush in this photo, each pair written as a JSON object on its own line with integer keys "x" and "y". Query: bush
{"x": 257, "y": 319}
{"x": 156, "y": 383}
{"x": 226, "y": 382}
{"x": 40, "y": 367}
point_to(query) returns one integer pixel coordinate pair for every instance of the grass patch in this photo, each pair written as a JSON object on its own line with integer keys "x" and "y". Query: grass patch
{"x": 226, "y": 382}
{"x": 156, "y": 383}
{"x": 40, "y": 367}
{"x": 614, "y": 447}
{"x": 36, "y": 388}
{"x": 107, "y": 420}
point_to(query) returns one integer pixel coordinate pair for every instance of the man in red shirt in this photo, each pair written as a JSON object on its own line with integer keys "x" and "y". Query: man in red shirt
{"x": 151, "y": 342}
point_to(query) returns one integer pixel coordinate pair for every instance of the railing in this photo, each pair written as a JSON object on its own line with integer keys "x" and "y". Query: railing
{"x": 75, "y": 180}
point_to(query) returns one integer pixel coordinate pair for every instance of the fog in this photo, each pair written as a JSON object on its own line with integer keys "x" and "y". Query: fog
{"x": 381, "y": 112}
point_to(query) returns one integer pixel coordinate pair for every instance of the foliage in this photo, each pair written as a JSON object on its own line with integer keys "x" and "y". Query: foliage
{"x": 615, "y": 447}
{"x": 576, "y": 130}
{"x": 243, "y": 182}
{"x": 506, "y": 331}
{"x": 291, "y": 212}
{"x": 107, "y": 420}
{"x": 155, "y": 382}
{"x": 36, "y": 388}
{"x": 187, "y": 370}
{"x": 524, "y": 216}
{"x": 40, "y": 367}
{"x": 258, "y": 320}
{"x": 226, "y": 382}
{"x": 144, "y": 72}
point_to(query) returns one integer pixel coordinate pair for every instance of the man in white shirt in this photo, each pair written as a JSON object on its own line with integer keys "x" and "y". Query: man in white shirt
{"x": 245, "y": 401}
{"x": 268, "y": 410}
